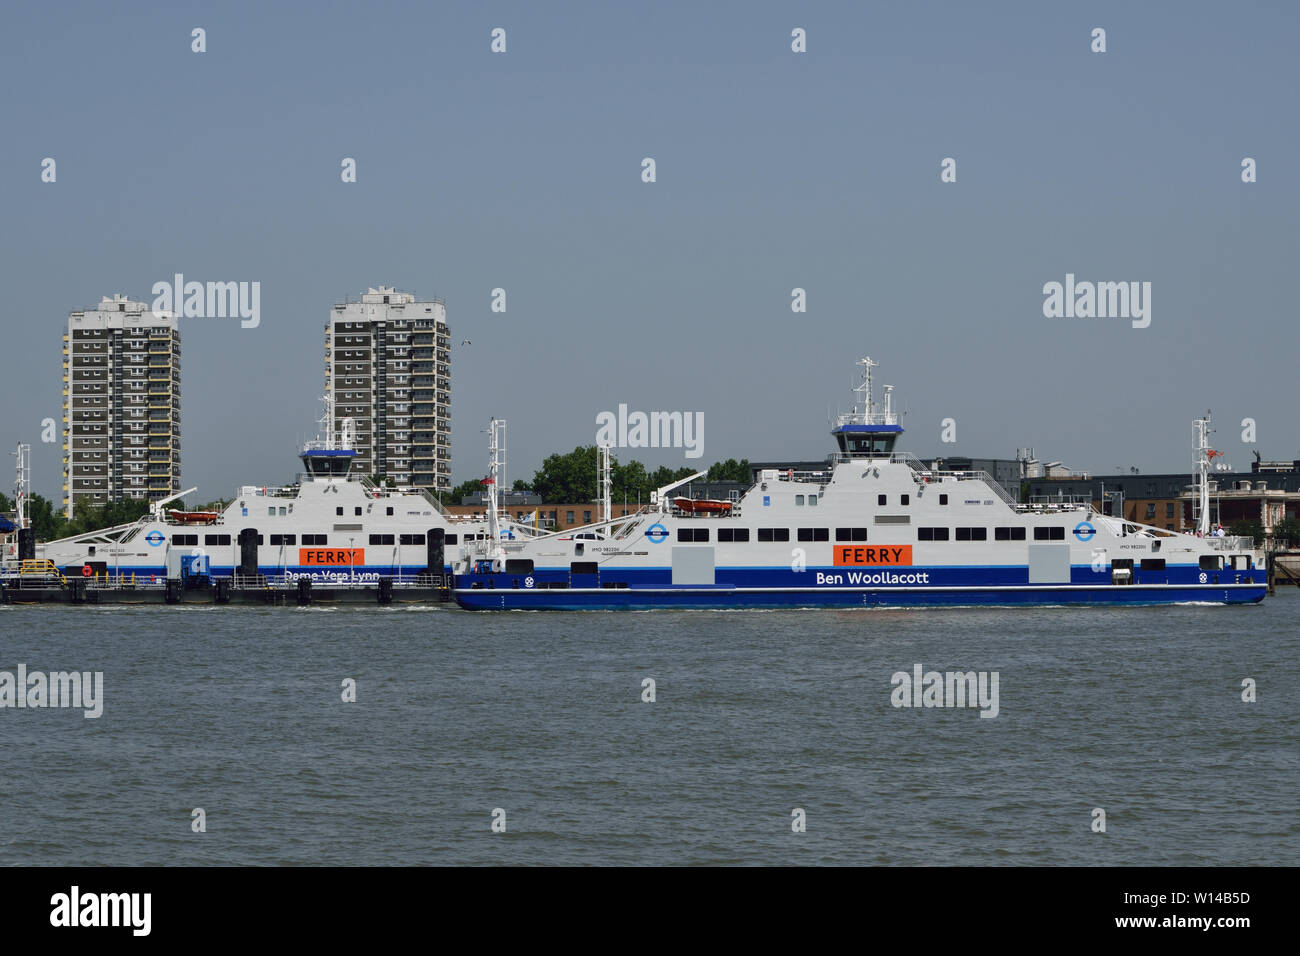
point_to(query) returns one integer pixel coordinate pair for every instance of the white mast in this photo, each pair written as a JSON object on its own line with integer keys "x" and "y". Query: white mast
{"x": 328, "y": 420}
{"x": 496, "y": 461}
{"x": 23, "y": 479}
{"x": 605, "y": 480}
{"x": 1201, "y": 480}
{"x": 864, "y": 389}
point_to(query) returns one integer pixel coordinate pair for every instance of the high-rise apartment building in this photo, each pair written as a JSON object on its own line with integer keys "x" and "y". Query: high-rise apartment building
{"x": 388, "y": 368}
{"x": 121, "y": 404}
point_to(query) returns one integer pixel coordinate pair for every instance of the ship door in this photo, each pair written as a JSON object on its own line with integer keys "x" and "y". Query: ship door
{"x": 584, "y": 574}
{"x": 248, "y": 551}
{"x": 437, "y": 561}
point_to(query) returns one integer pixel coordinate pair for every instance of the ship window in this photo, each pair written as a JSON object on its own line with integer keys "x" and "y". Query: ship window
{"x": 798, "y": 500}
{"x": 931, "y": 534}
{"x": 358, "y": 511}
{"x": 270, "y": 511}
{"x": 943, "y": 499}
{"x": 812, "y": 501}
{"x": 692, "y": 534}
{"x": 182, "y": 540}
{"x": 1211, "y": 562}
{"x": 519, "y": 566}
{"x": 390, "y": 509}
{"x": 773, "y": 534}
{"x": 905, "y": 499}
{"x": 850, "y": 534}
{"x": 814, "y": 534}
{"x": 1009, "y": 534}
{"x": 451, "y": 538}
{"x": 283, "y": 539}
{"x": 1049, "y": 534}
{"x": 880, "y": 500}
{"x": 411, "y": 539}
{"x": 584, "y": 567}
{"x": 216, "y": 539}
{"x": 316, "y": 540}
{"x": 733, "y": 534}
{"x": 1153, "y": 564}
{"x": 338, "y": 510}
{"x": 381, "y": 539}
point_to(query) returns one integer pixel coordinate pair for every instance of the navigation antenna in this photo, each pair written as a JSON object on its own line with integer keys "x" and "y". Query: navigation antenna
{"x": 496, "y": 473}
{"x": 24, "y": 478}
{"x": 864, "y": 389}
{"x": 1201, "y": 479}
{"x": 327, "y": 420}
{"x": 605, "y": 481}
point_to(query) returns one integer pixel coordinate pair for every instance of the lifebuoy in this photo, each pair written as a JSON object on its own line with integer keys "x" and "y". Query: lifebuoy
{"x": 86, "y": 571}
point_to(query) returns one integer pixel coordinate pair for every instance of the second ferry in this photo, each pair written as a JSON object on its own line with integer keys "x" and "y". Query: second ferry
{"x": 876, "y": 527}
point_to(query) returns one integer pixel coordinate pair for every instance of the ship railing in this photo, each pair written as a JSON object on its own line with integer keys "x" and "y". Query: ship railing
{"x": 1234, "y": 542}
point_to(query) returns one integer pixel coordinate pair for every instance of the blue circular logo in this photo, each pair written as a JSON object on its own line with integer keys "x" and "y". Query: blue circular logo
{"x": 1084, "y": 531}
{"x": 154, "y": 538}
{"x": 657, "y": 533}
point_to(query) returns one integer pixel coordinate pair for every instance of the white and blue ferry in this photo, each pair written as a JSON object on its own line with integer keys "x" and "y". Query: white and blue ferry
{"x": 330, "y": 526}
{"x": 875, "y": 527}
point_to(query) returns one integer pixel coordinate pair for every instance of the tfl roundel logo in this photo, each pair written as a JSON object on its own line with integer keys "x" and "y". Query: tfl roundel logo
{"x": 154, "y": 538}
{"x": 1084, "y": 531}
{"x": 657, "y": 533}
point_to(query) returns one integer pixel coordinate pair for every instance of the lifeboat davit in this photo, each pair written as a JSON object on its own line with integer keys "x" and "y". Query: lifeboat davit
{"x": 708, "y": 506}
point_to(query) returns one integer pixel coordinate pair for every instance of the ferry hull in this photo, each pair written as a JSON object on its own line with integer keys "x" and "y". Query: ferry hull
{"x": 580, "y": 599}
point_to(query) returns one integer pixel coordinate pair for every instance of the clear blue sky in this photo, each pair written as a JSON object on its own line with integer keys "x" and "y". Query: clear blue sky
{"x": 775, "y": 170}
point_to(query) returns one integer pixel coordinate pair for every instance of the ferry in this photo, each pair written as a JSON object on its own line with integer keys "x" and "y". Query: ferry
{"x": 876, "y": 527}
{"x": 329, "y": 526}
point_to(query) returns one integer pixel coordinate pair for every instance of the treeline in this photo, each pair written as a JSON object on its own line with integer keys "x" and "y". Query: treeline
{"x": 571, "y": 476}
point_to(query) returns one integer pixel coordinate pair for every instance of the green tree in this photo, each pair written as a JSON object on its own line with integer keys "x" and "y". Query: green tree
{"x": 5, "y": 503}
{"x": 568, "y": 477}
{"x": 1288, "y": 530}
{"x": 47, "y": 524}
{"x": 730, "y": 470}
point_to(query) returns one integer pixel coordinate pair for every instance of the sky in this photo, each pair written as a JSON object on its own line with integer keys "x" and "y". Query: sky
{"x": 774, "y": 170}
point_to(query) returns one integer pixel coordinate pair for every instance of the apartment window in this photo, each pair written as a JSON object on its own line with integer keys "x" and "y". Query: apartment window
{"x": 1169, "y": 509}
{"x": 814, "y": 534}
{"x": 586, "y": 517}
{"x": 1151, "y": 509}
{"x": 568, "y": 519}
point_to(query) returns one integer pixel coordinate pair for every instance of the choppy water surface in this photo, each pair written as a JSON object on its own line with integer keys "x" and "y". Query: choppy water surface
{"x": 238, "y": 710}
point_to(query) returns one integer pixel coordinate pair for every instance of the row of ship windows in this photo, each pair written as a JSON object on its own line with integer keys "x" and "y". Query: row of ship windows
{"x": 315, "y": 540}
{"x": 860, "y": 534}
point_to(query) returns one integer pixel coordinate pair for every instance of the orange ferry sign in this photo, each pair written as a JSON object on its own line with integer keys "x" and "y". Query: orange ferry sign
{"x": 860, "y": 555}
{"x": 333, "y": 557}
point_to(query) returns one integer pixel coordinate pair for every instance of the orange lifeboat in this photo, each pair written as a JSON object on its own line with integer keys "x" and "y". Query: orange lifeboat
{"x": 194, "y": 517}
{"x": 708, "y": 506}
